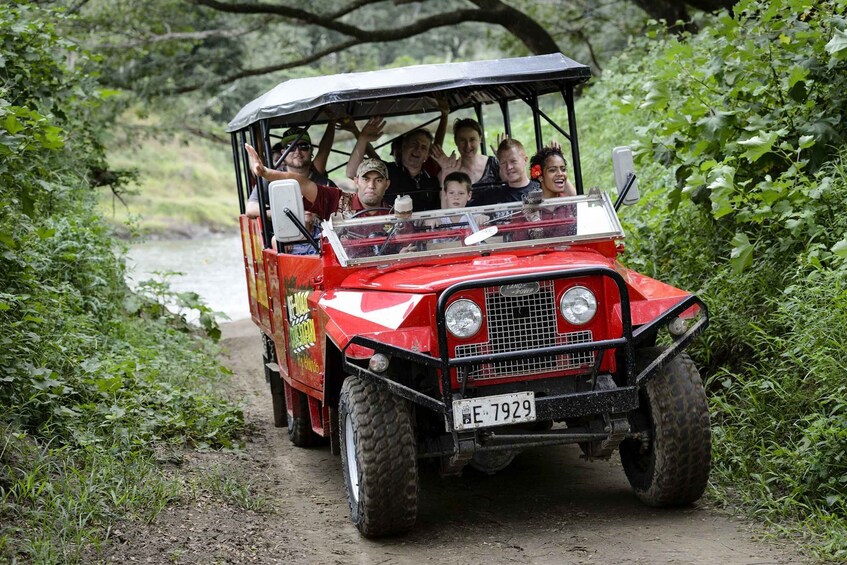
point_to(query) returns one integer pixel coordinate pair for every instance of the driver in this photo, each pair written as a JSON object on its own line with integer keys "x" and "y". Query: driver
{"x": 371, "y": 183}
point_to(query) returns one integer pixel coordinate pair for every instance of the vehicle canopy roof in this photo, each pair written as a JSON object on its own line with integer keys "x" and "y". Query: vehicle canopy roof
{"x": 410, "y": 90}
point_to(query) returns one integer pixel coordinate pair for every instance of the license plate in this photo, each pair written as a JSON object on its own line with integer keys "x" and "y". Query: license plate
{"x": 499, "y": 410}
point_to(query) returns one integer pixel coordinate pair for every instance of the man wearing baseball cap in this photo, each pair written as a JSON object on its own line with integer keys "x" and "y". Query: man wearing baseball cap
{"x": 371, "y": 183}
{"x": 298, "y": 143}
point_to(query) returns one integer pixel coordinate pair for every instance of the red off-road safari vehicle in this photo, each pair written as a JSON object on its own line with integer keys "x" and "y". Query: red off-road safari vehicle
{"x": 465, "y": 337}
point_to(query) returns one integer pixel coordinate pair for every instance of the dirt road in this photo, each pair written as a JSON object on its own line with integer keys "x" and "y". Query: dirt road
{"x": 549, "y": 506}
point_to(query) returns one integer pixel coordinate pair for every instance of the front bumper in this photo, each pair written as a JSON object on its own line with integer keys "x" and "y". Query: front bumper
{"x": 617, "y": 400}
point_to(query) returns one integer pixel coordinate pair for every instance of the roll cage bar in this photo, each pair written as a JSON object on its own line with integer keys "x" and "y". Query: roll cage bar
{"x": 407, "y": 91}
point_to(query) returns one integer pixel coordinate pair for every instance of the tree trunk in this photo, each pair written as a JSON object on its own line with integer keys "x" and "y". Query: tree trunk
{"x": 523, "y": 27}
{"x": 670, "y": 11}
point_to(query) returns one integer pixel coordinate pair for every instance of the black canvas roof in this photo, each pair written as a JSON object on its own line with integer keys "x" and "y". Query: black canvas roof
{"x": 409, "y": 90}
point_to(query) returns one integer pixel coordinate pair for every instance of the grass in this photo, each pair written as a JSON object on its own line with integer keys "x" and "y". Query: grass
{"x": 180, "y": 185}
{"x": 55, "y": 501}
{"x": 237, "y": 491}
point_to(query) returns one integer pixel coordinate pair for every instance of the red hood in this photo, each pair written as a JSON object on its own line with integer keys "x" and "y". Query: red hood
{"x": 434, "y": 277}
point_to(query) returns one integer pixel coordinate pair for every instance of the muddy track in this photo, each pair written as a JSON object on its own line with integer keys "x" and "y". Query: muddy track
{"x": 548, "y": 506}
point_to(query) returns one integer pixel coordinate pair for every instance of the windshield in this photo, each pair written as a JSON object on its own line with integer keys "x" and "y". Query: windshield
{"x": 516, "y": 225}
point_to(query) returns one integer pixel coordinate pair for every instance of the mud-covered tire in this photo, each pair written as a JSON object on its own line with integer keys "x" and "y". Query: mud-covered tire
{"x": 274, "y": 379}
{"x": 300, "y": 425}
{"x": 672, "y": 468}
{"x": 378, "y": 459}
{"x": 278, "y": 399}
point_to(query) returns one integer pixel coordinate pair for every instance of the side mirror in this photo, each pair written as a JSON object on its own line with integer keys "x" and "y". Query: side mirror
{"x": 286, "y": 194}
{"x": 622, "y": 165}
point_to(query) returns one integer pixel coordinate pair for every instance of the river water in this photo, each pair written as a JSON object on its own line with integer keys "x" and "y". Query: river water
{"x": 212, "y": 266}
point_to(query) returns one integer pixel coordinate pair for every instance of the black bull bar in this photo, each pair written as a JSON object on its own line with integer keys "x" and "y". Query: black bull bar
{"x": 618, "y": 400}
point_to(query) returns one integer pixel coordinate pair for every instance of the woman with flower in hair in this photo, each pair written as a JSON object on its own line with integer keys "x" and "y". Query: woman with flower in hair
{"x": 549, "y": 168}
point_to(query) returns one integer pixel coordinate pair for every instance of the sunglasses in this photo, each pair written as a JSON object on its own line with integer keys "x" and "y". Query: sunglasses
{"x": 303, "y": 146}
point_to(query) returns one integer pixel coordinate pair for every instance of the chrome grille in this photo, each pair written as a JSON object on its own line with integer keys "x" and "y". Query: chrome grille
{"x": 519, "y": 323}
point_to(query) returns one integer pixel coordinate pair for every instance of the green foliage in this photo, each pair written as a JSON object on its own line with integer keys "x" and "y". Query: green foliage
{"x": 181, "y": 185}
{"x": 781, "y": 425}
{"x": 154, "y": 298}
{"x": 88, "y": 387}
{"x": 743, "y": 179}
{"x": 746, "y": 116}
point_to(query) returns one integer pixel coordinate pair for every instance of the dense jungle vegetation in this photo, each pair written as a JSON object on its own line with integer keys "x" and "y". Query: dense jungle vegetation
{"x": 739, "y": 125}
{"x": 96, "y": 383}
{"x": 742, "y": 137}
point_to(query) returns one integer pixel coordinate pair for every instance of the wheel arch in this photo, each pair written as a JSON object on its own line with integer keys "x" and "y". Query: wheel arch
{"x": 333, "y": 373}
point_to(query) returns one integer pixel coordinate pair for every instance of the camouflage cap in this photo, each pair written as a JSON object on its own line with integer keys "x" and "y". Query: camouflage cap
{"x": 369, "y": 165}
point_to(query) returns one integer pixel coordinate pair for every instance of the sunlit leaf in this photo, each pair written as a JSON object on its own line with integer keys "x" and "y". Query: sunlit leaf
{"x": 12, "y": 124}
{"x": 741, "y": 256}
{"x": 758, "y": 145}
{"x": 840, "y": 249}
{"x": 837, "y": 45}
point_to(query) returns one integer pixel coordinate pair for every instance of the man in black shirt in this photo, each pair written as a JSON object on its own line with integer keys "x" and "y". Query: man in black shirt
{"x": 513, "y": 170}
{"x": 408, "y": 175}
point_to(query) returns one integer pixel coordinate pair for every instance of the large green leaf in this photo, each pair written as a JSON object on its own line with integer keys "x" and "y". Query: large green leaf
{"x": 758, "y": 145}
{"x": 837, "y": 46}
{"x": 840, "y": 248}
{"x": 741, "y": 256}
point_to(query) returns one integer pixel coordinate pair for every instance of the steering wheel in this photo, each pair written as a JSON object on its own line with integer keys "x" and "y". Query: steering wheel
{"x": 360, "y": 212}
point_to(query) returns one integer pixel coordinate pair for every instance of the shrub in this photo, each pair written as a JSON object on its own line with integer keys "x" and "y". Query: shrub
{"x": 88, "y": 387}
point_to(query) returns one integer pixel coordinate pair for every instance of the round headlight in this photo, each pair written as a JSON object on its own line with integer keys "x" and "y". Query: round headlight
{"x": 578, "y": 305}
{"x": 464, "y": 318}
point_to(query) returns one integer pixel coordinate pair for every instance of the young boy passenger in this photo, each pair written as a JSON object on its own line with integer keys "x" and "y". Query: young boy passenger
{"x": 457, "y": 190}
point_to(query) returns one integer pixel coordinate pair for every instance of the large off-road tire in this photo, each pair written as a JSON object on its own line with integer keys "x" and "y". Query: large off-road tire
{"x": 274, "y": 379}
{"x": 278, "y": 399}
{"x": 299, "y": 424}
{"x": 378, "y": 458}
{"x": 672, "y": 467}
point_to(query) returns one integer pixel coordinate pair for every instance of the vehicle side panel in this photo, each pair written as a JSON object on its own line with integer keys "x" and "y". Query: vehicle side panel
{"x": 297, "y": 274}
{"x": 278, "y": 311}
{"x": 249, "y": 265}
{"x": 262, "y": 316}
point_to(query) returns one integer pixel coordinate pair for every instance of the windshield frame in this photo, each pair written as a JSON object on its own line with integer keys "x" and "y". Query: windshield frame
{"x": 599, "y": 203}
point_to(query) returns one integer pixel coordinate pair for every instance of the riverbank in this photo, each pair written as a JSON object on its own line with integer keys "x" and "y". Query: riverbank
{"x": 170, "y": 229}
{"x": 182, "y": 190}
{"x": 211, "y": 266}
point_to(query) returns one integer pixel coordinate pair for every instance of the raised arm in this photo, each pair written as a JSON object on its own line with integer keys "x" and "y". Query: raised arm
{"x": 324, "y": 148}
{"x": 370, "y": 132}
{"x": 447, "y": 163}
{"x": 346, "y": 123}
{"x": 307, "y": 187}
{"x": 441, "y": 131}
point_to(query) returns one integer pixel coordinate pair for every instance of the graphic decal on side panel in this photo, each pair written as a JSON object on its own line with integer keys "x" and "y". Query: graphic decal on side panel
{"x": 301, "y": 327}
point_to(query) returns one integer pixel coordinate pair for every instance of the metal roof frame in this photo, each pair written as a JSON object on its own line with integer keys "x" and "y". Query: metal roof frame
{"x": 410, "y": 90}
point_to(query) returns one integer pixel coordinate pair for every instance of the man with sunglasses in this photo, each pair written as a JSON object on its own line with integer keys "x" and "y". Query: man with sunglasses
{"x": 299, "y": 160}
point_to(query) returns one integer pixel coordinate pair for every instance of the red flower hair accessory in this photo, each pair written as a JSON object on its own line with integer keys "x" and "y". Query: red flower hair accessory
{"x": 535, "y": 171}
